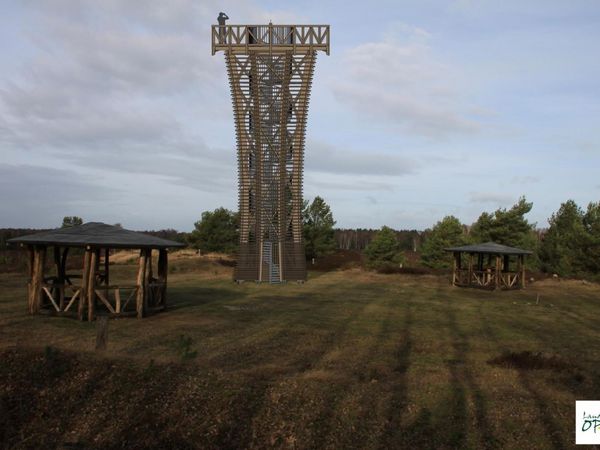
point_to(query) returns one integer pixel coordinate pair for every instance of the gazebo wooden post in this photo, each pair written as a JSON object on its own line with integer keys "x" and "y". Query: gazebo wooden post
{"x": 454, "y": 269}
{"x": 163, "y": 270}
{"x": 497, "y": 283}
{"x": 522, "y": 269}
{"x": 91, "y": 287}
{"x": 33, "y": 281}
{"x": 149, "y": 275}
{"x": 37, "y": 279}
{"x": 141, "y": 284}
{"x": 87, "y": 256}
{"x": 31, "y": 267}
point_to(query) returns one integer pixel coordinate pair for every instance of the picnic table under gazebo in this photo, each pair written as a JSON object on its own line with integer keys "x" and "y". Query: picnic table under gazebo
{"x": 83, "y": 291}
{"x": 489, "y": 265}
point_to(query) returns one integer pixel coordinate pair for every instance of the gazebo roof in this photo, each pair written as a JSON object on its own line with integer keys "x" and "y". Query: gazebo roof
{"x": 490, "y": 247}
{"x": 96, "y": 234}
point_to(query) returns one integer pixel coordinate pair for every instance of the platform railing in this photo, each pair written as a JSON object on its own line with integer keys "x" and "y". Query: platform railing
{"x": 271, "y": 38}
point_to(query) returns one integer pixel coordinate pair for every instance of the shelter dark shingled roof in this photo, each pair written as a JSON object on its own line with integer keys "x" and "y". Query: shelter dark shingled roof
{"x": 489, "y": 247}
{"x": 96, "y": 234}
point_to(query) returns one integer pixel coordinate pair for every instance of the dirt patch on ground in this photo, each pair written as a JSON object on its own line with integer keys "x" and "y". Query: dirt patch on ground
{"x": 527, "y": 360}
{"x": 340, "y": 259}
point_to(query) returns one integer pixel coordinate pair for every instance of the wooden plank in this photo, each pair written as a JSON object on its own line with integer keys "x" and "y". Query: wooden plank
{"x": 117, "y": 300}
{"x": 91, "y": 291}
{"x": 104, "y": 300}
{"x": 139, "y": 303}
{"x": 84, "y": 283}
{"x": 73, "y": 298}
{"x": 38, "y": 279}
{"x": 51, "y": 298}
{"x": 497, "y": 281}
{"x": 133, "y": 294}
{"x": 32, "y": 281}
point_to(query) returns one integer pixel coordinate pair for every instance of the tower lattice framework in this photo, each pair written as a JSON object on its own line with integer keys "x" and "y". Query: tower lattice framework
{"x": 270, "y": 69}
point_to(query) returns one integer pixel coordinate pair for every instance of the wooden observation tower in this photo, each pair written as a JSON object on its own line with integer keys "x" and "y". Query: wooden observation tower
{"x": 270, "y": 70}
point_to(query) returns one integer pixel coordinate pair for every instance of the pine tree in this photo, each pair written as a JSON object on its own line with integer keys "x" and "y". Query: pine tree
{"x": 448, "y": 232}
{"x": 317, "y": 228}
{"x": 384, "y": 250}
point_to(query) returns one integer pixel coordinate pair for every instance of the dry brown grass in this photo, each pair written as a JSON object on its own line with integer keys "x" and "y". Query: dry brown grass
{"x": 351, "y": 359}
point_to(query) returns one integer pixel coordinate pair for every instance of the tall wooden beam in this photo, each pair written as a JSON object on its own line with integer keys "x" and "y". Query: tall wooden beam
{"x": 31, "y": 267}
{"x": 141, "y": 283}
{"x": 37, "y": 279}
{"x": 522, "y": 269}
{"x": 497, "y": 283}
{"x": 91, "y": 291}
{"x": 83, "y": 296}
{"x": 33, "y": 280}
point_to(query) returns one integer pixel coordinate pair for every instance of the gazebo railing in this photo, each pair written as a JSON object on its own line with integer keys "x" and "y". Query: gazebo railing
{"x": 510, "y": 279}
{"x": 487, "y": 278}
{"x": 56, "y": 294}
{"x": 118, "y": 303}
{"x": 483, "y": 278}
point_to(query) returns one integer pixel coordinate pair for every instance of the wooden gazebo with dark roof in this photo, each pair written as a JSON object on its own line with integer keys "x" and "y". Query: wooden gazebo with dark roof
{"x": 492, "y": 267}
{"x": 81, "y": 293}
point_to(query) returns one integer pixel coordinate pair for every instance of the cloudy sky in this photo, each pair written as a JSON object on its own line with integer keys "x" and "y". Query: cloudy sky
{"x": 116, "y": 111}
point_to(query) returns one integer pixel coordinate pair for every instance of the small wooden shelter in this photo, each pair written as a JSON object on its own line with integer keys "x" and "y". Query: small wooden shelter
{"x": 489, "y": 265}
{"x": 84, "y": 291}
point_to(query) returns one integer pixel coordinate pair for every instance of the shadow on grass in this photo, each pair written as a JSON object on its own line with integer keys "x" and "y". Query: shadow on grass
{"x": 544, "y": 408}
{"x": 182, "y": 297}
{"x": 394, "y": 436}
{"x": 463, "y": 383}
{"x": 286, "y": 355}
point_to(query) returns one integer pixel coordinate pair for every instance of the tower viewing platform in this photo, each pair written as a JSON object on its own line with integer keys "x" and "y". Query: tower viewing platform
{"x": 243, "y": 39}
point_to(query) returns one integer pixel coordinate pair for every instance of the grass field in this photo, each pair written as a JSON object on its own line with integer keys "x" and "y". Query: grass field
{"x": 348, "y": 360}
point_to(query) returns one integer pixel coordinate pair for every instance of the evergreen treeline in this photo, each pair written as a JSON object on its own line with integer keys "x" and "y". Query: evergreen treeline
{"x": 569, "y": 247}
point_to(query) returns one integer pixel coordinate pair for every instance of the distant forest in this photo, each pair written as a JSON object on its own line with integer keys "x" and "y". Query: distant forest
{"x": 346, "y": 238}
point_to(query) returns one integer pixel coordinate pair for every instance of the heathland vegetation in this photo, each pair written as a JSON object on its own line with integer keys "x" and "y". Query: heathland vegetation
{"x": 351, "y": 359}
{"x": 569, "y": 247}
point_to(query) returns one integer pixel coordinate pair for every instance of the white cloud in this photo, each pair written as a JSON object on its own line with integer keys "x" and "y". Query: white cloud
{"x": 324, "y": 157}
{"x": 399, "y": 81}
{"x": 525, "y": 179}
{"x": 491, "y": 197}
